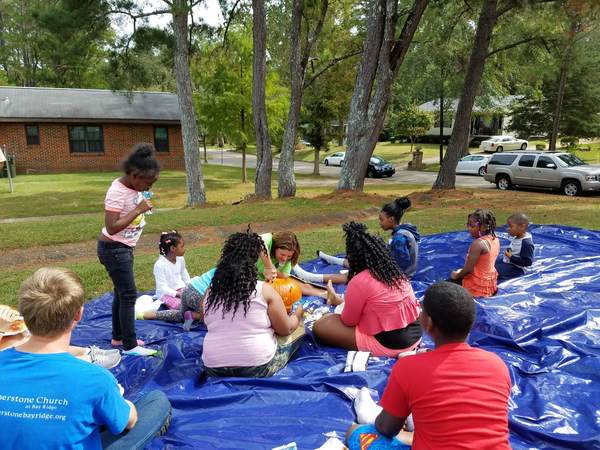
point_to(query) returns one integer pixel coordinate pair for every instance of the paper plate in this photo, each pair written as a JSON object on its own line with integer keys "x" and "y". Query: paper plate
{"x": 5, "y": 328}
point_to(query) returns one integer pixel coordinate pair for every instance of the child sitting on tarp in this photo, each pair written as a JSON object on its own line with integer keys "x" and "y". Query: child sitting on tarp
{"x": 457, "y": 394}
{"x": 519, "y": 254}
{"x": 170, "y": 273}
{"x": 478, "y": 275}
{"x": 249, "y": 332}
{"x": 381, "y": 312}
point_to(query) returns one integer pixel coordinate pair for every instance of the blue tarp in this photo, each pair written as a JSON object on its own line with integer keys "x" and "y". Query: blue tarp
{"x": 544, "y": 325}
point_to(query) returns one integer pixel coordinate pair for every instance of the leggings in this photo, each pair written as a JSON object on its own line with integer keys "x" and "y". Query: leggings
{"x": 190, "y": 301}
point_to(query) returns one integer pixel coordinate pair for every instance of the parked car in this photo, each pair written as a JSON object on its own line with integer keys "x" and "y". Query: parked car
{"x": 502, "y": 143}
{"x": 473, "y": 164}
{"x": 379, "y": 167}
{"x": 335, "y": 159}
{"x": 549, "y": 170}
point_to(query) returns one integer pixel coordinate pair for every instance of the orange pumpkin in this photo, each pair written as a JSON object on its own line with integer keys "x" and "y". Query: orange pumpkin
{"x": 289, "y": 291}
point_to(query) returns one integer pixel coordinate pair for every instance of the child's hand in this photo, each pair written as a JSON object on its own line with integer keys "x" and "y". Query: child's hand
{"x": 454, "y": 274}
{"x": 143, "y": 206}
{"x": 270, "y": 273}
{"x": 299, "y": 312}
{"x": 508, "y": 253}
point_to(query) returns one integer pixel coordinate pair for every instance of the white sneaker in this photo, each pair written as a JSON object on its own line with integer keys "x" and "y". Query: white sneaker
{"x": 140, "y": 351}
{"x": 105, "y": 358}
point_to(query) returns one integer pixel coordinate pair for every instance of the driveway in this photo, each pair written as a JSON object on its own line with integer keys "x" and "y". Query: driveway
{"x": 330, "y": 174}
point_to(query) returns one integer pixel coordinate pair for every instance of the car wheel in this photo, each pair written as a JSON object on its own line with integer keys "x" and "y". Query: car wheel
{"x": 503, "y": 183}
{"x": 499, "y": 149}
{"x": 326, "y": 162}
{"x": 370, "y": 174}
{"x": 481, "y": 171}
{"x": 524, "y": 146}
{"x": 571, "y": 188}
{"x": 341, "y": 163}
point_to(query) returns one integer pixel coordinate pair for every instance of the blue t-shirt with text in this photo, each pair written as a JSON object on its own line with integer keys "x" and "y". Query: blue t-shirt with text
{"x": 56, "y": 401}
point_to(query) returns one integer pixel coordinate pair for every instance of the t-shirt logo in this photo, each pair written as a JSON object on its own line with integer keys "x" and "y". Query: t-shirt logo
{"x": 366, "y": 439}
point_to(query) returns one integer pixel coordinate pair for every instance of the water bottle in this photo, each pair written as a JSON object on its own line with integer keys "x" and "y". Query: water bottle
{"x": 148, "y": 195}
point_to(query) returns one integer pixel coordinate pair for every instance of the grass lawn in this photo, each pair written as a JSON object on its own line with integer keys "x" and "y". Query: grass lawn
{"x": 69, "y": 207}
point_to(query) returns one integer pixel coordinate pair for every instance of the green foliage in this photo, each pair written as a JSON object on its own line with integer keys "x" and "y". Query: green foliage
{"x": 59, "y": 43}
{"x": 410, "y": 121}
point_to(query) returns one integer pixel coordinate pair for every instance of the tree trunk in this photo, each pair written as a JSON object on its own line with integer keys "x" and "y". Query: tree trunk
{"x": 264, "y": 161}
{"x": 317, "y": 161}
{"x": 382, "y": 56}
{"x": 286, "y": 184}
{"x": 459, "y": 139}
{"x": 189, "y": 126}
{"x": 244, "y": 164}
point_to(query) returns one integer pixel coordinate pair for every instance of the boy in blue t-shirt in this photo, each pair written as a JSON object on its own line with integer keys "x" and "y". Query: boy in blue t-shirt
{"x": 50, "y": 399}
{"x": 519, "y": 254}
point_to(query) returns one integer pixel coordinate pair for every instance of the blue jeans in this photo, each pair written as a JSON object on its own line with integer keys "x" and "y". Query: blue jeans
{"x": 154, "y": 416}
{"x": 507, "y": 271}
{"x": 117, "y": 259}
{"x": 286, "y": 347}
{"x": 372, "y": 440}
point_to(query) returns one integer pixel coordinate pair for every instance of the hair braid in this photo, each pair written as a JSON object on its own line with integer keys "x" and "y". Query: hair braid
{"x": 369, "y": 252}
{"x": 234, "y": 281}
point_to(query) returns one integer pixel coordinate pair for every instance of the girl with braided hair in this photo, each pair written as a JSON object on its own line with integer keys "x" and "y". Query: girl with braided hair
{"x": 170, "y": 273}
{"x": 249, "y": 332}
{"x": 479, "y": 275}
{"x": 381, "y": 312}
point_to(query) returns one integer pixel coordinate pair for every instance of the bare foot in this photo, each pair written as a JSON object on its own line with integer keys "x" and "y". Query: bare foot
{"x": 332, "y": 297}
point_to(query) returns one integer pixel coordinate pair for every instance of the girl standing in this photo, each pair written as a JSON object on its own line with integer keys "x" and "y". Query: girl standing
{"x": 124, "y": 208}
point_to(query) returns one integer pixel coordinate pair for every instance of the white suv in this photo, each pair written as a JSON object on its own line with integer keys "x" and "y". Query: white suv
{"x": 550, "y": 170}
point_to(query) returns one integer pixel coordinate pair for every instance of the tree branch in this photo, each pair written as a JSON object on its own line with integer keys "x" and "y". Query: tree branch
{"x": 329, "y": 65}
{"x": 513, "y": 45}
{"x": 229, "y": 19}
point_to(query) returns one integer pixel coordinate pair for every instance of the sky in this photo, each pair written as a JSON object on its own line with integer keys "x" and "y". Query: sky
{"x": 209, "y": 11}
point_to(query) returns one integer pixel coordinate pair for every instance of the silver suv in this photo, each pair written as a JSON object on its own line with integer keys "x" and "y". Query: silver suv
{"x": 550, "y": 170}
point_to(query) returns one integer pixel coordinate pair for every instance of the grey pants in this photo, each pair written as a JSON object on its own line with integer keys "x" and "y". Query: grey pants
{"x": 190, "y": 301}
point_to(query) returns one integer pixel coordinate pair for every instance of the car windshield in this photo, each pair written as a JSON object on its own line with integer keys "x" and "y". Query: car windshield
{"x": 377, "y": 160}
{"x": 571, "y": 160}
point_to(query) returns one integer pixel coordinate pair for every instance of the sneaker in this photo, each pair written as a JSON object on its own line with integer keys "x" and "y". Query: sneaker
{"x": 141, "y": 351}
{"x": 104, "y": 358}
{"x": 116, "y": 343}
{"x": 188, "y": 319}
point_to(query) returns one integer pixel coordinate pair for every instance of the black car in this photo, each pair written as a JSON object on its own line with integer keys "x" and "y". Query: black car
{"x": 379, "y": 167}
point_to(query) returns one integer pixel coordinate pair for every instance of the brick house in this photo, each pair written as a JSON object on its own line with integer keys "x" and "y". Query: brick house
{"x": 73, "y": 130}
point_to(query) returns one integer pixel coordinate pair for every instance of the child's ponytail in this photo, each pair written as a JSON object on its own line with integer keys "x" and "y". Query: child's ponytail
{"x": 142, "y": 159}
{"x": 397, "y": 208}
{"x": 167, "y": 240}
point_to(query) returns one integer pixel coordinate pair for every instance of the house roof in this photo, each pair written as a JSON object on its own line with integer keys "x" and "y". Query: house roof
{"x": 493, "y": 104}
{"x": 27, "y": 104}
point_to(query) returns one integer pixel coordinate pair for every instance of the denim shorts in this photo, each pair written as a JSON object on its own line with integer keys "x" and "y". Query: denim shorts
{"x": 286, "y": 347}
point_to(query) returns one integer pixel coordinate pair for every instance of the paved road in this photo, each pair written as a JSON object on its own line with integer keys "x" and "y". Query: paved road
{"x": 331, "y": 174}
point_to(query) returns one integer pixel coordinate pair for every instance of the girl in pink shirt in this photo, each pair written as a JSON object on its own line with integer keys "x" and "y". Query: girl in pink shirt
{"x": 249, "y": 331}
{"x": 124, "y": 208}
{"x": 381, "y": 312}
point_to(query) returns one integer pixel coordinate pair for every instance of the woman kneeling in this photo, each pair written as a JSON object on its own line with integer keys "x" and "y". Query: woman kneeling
{"x": 249, "y": 332}
{"x": 381, "y": 312}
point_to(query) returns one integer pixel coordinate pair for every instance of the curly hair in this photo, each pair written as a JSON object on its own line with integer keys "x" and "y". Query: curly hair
{"x": 234, "y": 281}
{"x": 286, "y": 240}
{"x": 370, "y": 252}
{"x": 486, "y": 218}
{"x": 168, "y": 239}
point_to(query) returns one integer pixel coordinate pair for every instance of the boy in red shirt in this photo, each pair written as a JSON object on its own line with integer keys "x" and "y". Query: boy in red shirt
{"x": 457, "y": 394}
